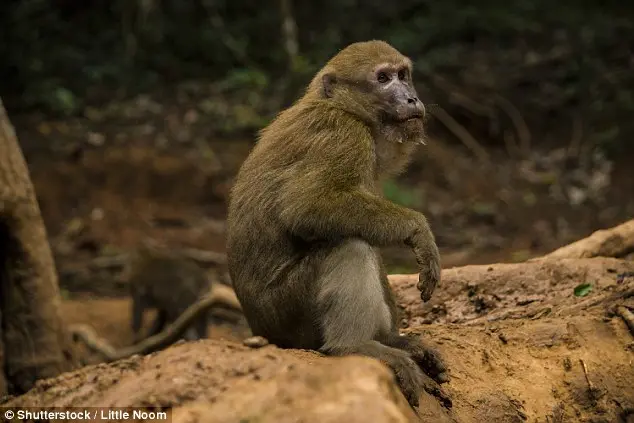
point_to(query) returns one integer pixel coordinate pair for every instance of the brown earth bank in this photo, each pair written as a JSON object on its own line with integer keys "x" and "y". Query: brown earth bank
{"x": 519, "y": 344}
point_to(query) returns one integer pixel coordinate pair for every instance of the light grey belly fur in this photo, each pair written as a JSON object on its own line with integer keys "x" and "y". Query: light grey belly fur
{"x": 350, "y": 298}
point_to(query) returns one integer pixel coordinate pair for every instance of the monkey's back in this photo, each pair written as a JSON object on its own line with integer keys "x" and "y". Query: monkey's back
{"x": 271, "y": 269}
{"x": 169, "y": 283}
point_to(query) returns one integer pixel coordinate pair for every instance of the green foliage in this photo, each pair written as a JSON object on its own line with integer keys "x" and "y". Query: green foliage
{"x": 63, "y": 56}
{"x": 400, "y": 194}
{"x": 246, "y": 79}
{"x": 582, "y": 290}
{"x": 62, "y": 100}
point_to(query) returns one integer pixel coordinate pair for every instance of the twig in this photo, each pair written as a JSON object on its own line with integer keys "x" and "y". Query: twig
{"x": 289, "y": 32}
{"x": 585, "y": 373}
{"x": 627, "y": 316}
{"x": 461, "y": 133}
{"x": 523, "y": 133}
{"x": 205, "y": 256}
{"x": 110, "y": 262}
{"x": 593, "y": 391}
{"x": 511, "y": 146}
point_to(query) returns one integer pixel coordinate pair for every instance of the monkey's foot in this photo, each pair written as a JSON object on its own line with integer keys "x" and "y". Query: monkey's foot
{"x": 432, "y": 387}
{"x": 427, "y": 357}
{"x": 429, "y": 361}
{"x": 413, "y": 382}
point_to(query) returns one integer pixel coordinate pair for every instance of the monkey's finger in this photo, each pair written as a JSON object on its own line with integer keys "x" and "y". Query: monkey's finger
{"x": 425, "y": 296}
{"x": 442, "y": 377}
{"x": 428, "y": 358}
{"x": 426, "y": 288}
{"x": 433, "y": 388}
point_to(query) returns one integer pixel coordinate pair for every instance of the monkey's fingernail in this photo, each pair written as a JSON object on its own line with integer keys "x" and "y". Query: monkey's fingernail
{"x": 442, "y": 378}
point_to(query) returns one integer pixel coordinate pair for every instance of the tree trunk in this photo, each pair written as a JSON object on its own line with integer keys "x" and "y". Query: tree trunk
{"x": 33, "y": 339}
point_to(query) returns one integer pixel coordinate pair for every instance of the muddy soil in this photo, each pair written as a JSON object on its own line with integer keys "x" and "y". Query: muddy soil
{"x": 520, "y": 346}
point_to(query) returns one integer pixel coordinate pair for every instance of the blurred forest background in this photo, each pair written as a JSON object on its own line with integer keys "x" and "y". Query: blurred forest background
{"x": 135, "y": 115}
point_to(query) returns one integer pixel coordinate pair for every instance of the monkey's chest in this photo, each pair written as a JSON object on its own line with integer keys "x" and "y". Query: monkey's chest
{"x": 391, "y": 157}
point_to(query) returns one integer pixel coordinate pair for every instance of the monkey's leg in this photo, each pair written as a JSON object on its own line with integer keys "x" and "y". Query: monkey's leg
{"x": 138, "y": 308}
{"x": 424, "y": 355}
{"x": 190, "y": 335}
{"x": 159, "y": 322}
{"x": 354, "y": 314}
{"x": 201, "y": 327}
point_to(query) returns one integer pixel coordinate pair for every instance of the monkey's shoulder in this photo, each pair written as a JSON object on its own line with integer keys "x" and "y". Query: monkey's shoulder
{"x": 315, "y": 120}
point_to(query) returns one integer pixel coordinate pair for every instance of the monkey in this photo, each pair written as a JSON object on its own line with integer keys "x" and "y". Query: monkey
{"x": 306, "y": 218}
{"x": 170, "y": 284}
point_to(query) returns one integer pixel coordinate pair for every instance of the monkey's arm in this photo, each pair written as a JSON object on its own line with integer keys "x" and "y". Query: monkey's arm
{"x": 327, "y": 195}
{"x": 330, "y": 204}
{"x": 353, "y": 213}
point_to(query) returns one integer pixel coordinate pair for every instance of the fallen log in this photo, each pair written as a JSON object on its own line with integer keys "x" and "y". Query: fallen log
{"x": 614, "y": 242}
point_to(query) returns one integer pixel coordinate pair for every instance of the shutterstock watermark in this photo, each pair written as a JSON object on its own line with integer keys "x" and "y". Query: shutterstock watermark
{"x": 86, "y": 414}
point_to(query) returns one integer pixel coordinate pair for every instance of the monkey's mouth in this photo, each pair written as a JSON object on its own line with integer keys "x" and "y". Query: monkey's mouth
{"x": 409, "y": 118}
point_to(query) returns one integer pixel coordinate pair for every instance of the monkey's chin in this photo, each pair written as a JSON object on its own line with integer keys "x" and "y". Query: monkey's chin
{"x": 414, "y": 131}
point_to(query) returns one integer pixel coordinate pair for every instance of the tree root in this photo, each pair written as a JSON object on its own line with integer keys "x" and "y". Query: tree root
{"x": 627, "y": 316}
{"x": 615, "y": 242}
{"x": 220, "y": 296}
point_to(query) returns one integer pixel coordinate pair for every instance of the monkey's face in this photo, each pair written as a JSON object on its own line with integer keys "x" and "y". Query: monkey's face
{"x": 394, "y": 93}
{"x": 373, "y": 80}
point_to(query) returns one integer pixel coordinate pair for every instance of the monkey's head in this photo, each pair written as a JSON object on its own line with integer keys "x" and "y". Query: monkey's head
{"x": 373, "y": 81}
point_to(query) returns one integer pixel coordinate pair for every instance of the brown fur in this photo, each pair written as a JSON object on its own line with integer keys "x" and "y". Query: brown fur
{"x": 168, "y": 283}
{"x": 306, "y": 217}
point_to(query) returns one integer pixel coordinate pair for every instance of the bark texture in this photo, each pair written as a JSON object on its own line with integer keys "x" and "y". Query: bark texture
{"x": 32, "y": 335}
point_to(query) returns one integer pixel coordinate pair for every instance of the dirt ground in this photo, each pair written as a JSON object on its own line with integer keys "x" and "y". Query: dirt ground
{"x": 520, "y": 346}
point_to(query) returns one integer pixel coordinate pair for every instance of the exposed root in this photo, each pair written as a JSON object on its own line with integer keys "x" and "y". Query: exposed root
{"x": 614, "y": 242}
{"x": 627, "y": 316}
{"x": 220, "y": 296}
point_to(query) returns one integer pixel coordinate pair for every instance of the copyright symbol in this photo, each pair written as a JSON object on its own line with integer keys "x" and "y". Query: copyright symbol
{"x": 8, "y": 414}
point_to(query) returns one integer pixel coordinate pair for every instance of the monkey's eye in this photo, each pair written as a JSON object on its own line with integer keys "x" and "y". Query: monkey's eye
{"x": 402, "y": 74}
{"x": 382, "y": 78}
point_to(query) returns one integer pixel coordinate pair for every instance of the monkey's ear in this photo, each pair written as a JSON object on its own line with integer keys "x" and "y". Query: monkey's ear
{"x": 328, "y": 81}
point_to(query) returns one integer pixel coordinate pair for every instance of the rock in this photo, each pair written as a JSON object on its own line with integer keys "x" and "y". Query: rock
{"x": 223, "y": 381}
{"x": 343, "y": 390}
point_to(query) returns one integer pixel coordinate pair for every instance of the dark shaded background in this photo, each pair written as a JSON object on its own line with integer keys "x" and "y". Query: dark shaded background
{"x": 135, "y": 115}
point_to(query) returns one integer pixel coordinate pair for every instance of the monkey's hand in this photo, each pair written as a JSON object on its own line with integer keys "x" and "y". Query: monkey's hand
{"x": 428, "y": 259}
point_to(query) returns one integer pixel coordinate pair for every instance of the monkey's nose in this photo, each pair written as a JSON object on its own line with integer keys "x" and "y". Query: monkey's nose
{"x": 416, "y": 106}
